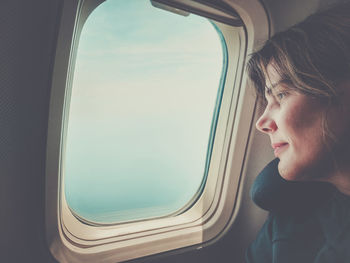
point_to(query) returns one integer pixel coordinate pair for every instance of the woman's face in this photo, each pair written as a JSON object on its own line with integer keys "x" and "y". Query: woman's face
{"x": 293, "y": 122}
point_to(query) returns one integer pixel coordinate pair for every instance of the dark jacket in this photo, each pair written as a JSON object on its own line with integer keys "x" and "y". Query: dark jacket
{"x": 308, "y": 222}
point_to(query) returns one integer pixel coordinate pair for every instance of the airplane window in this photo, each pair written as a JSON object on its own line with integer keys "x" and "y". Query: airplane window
{"x": 140, "y": 120}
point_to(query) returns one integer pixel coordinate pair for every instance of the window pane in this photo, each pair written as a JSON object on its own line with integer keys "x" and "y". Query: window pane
{"x": 143, "y": 97}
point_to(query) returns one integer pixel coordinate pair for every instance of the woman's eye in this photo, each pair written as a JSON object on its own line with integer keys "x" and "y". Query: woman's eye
{"x": 281, "y": 95}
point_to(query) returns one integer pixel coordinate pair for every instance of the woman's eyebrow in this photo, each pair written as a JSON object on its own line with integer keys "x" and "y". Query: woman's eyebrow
{"x": 282, "y": 81}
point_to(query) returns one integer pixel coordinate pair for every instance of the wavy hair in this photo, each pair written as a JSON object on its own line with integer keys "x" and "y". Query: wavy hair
{"x": 314, "y": 55}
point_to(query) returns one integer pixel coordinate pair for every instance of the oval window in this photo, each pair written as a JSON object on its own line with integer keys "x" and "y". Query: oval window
{"x": 141, "y": 112}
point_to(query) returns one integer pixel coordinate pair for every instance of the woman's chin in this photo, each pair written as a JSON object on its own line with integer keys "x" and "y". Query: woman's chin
{"x": 304, "y": 172}
{"x": 290, "y": 177}
{"x": 290, "y": 173}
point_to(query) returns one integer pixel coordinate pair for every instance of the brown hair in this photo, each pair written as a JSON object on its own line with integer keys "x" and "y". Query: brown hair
{"x": 313, "y": 56}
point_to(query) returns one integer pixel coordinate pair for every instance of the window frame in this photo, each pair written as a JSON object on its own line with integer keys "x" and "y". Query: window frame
{"x": 71, "y": 240}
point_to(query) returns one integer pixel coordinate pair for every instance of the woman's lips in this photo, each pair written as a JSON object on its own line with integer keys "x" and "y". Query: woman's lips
{"x": 279, "y": 147}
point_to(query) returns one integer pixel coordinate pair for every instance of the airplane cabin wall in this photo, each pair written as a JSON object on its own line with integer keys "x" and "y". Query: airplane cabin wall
{"x": 27, "y": 46}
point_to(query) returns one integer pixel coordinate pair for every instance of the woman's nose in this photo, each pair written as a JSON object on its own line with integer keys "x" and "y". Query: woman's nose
{"x": 266, "y": 124}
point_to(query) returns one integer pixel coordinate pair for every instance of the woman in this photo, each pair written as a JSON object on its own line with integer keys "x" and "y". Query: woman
{"x": 302, "y": 77}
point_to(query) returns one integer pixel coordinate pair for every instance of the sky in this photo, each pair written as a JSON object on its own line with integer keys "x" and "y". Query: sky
{"x": 143, "y": 97}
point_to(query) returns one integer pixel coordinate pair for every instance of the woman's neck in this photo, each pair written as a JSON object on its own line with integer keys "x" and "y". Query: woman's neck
{"x": 341, "y": 180}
